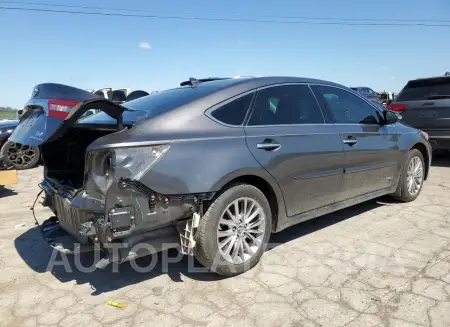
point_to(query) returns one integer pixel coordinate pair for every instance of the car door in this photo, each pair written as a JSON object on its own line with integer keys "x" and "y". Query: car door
{"x": 371, "y": 148}
{"x": 287, "y": 134}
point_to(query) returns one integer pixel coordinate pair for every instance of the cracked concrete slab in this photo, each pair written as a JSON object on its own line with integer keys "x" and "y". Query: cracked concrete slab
{"x": 380, "y": 263}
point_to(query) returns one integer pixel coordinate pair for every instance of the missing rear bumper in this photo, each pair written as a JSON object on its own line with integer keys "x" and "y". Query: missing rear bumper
{"x": 60, "y": 240}
{"x": 131, "y": 248}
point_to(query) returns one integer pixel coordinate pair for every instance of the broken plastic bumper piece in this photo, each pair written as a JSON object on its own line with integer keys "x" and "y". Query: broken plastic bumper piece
{"x": 187, "y": 230}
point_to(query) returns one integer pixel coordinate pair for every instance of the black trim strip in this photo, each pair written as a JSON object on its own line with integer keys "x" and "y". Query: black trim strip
{"x": 322, "y": 173}
{"x": 367, "y": 167}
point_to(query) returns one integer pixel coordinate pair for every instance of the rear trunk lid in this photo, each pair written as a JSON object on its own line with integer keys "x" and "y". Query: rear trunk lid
{"x": 53, "y": 108}
{"x": 425, "y": 104}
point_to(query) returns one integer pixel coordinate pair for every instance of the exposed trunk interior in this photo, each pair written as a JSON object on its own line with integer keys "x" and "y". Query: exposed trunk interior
{"x": 64, "y": 158}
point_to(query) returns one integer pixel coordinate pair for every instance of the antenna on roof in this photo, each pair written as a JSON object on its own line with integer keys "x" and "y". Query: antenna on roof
{"x": 193, "y": 82}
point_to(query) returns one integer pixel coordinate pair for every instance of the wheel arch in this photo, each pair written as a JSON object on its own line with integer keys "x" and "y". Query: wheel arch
{"x": 426, "y": 156}
{"x": 262, "y": 180}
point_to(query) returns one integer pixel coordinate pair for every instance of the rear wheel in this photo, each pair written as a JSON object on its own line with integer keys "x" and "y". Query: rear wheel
{"x": 20, "y": 156}
{"x": 412, "y": 177}
{"x": 234, "y": 232}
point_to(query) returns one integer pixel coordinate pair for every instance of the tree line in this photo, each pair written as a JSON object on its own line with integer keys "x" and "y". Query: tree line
{"x": 8, "y": 112}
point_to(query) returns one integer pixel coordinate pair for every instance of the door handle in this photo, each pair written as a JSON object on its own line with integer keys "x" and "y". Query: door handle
{"x": 350, "y": 142}
{"x": 268, "y": 146}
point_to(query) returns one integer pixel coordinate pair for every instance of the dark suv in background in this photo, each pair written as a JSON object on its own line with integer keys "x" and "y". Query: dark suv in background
{"x": 425, "y": 104}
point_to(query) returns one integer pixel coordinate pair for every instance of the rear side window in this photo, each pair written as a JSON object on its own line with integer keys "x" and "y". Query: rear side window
{"x": 425, "y": 89}
{"x": 233, "y": 113}
{"x": 286, "y": 105}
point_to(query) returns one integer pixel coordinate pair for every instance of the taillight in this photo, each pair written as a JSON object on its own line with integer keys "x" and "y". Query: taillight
{"x": 60, "y": 108}
{"x": 397, "y": 107}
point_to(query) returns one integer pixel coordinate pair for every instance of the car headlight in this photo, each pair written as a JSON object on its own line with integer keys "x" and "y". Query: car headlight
{"x": 135, "y": 162}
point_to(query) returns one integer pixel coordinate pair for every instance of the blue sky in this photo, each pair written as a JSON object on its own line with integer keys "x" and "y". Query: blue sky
{"x": 95, "y": 51}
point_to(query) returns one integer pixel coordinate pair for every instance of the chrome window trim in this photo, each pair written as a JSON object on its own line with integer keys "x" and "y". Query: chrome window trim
{"x": 286, "y": 125}
{"x": 208, "y": 112}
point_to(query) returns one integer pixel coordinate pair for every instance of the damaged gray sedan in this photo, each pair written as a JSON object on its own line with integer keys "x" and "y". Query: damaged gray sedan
{"x": 214, "y": 167}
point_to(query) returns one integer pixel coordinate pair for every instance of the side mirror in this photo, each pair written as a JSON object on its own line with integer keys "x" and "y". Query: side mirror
{"x": 391, "y": 117}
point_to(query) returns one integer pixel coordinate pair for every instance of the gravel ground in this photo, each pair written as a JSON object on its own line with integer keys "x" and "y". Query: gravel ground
{"x": 380, "y": 263}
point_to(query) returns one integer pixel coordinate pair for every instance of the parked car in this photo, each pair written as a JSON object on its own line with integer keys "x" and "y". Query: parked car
{"x": 367, "y": 92}
{"x": 425, "y": 103}
{"x": 13, "y": 154}
{"x": 218, "y": 166}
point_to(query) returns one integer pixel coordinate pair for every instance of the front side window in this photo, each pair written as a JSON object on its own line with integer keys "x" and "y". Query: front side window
{"x": 286, "y": 105}
{"x": 347, "y": 108}
{"x": 233, "y": 113}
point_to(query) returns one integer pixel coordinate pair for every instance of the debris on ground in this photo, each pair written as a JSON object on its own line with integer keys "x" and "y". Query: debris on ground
{"x": 115, "y": 304}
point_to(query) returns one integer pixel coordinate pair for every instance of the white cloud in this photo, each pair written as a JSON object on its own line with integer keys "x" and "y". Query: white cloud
{"x": 392, "y": 77}
{"x": 145, "y": 45}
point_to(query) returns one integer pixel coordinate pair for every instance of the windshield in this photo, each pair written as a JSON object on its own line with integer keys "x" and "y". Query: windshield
{"x": 166, "y": 100}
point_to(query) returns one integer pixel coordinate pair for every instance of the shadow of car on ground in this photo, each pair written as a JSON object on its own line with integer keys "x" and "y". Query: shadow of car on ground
{"x": 5, "y": 192}
{"x": 37, "y": 254}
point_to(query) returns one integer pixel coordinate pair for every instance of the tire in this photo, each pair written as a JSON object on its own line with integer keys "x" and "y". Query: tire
{"x": 403, "y": 193}
{"x": 19, "y": 165}
{"x": 207, "y": 244}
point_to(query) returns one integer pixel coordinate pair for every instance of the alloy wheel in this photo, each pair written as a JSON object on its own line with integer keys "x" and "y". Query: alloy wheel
{"x": 414, "y": 175}
{"x": 21, "y": 155}
{"x": 241, "y": 230}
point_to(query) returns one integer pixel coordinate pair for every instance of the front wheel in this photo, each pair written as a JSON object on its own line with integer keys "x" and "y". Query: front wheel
{"x": 412, "y": 177}
{"x": 234, "y": 232}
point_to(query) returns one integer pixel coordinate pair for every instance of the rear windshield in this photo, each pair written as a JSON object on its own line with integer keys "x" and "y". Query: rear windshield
{"x": 162, "y": 102}
{"x": 166, "y": 100}
{"x": 424, "y": 89}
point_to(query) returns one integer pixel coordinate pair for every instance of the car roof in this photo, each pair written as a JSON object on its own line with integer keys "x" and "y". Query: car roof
{"x": 441, "y": 77}
{"x": 221, "y": 90}
{"x": 257, "y": 82}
